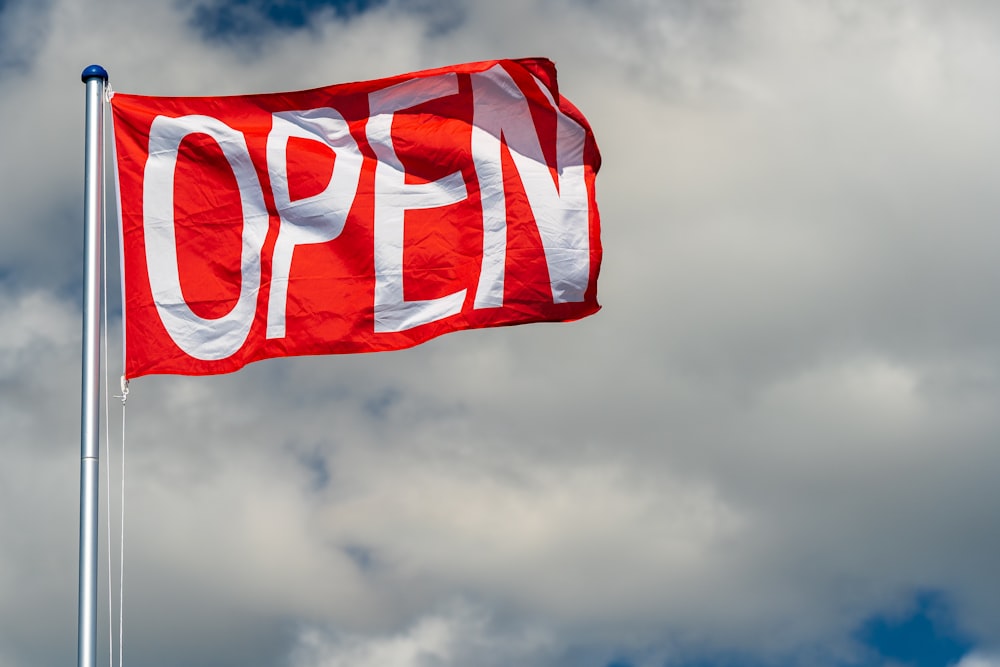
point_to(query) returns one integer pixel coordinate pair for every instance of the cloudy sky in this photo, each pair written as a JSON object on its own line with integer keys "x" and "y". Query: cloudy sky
{"x": 777, "y": 444}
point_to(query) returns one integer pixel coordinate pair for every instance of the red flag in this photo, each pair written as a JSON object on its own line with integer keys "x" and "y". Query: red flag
{"x": 354, "y": 218}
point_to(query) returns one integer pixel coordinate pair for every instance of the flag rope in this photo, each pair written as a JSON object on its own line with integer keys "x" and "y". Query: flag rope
{"x": 121, "y": 533}
{"x": 107, "y": 425}
{"x": 107, "y": 409}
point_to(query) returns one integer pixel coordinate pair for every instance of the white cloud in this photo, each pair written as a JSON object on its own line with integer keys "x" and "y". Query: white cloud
{"x": 977, "y": 659}
{"x": 463, "y": 635}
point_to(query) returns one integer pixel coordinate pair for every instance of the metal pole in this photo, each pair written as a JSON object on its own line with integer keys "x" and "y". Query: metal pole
{"x": 95, "y": 77}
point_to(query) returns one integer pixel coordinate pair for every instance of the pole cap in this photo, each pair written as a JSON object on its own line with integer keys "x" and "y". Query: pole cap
{"x": 94, "y": 72}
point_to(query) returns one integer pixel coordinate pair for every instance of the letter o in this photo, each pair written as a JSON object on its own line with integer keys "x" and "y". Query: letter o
{"x": 204, "y": 339}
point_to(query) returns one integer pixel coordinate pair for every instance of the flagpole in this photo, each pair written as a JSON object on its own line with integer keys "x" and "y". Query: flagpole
{"x": 95, "y": 77}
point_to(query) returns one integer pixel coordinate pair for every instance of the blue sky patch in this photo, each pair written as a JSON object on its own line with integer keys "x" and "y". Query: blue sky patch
{"x": 239, "y": 18}
{"x": 926, "y": 637}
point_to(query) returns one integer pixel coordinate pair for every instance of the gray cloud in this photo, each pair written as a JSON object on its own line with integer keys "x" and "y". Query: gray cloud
{"x": 782, "y": 423}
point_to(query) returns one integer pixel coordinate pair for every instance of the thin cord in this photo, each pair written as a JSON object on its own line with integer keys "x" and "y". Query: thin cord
{"x": 121, "y": 542}
{"x": 124, "y": 396}
{"x": 107, "y": 457}
{"x": 107, "y": 419}
{"x": 107, "y": 402}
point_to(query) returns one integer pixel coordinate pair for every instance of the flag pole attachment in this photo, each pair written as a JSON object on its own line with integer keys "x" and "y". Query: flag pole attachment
{"x": 95, "y": 77}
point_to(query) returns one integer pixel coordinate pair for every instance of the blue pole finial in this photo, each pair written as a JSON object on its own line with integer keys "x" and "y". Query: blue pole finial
{"x": 94, "y": 72}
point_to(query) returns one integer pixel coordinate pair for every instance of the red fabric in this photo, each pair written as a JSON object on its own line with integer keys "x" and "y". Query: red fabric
{"x": 329, "y": 307}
